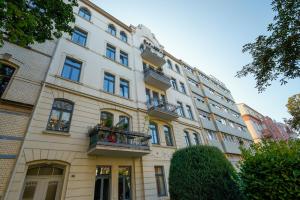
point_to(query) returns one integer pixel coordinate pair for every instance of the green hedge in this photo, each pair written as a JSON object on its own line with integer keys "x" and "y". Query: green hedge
{"x": 202, "y": 173}
{"x": 271, "y": 170}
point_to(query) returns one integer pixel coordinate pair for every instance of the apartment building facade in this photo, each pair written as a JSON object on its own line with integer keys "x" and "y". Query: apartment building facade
{"x": 112, "y": 110}
{"x": 22, "y": 71}
{"x": 263, "y": 127}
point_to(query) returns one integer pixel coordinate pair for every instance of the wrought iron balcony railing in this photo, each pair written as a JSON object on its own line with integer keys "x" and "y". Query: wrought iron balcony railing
{"x": 162, "y": 109}
{"x": 157, "y": 79}
{"x": 111, "y": 141}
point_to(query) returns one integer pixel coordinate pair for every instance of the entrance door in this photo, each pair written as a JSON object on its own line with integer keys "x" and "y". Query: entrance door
{"x": 42, "y": 188}
{"x": 43, "y": 182}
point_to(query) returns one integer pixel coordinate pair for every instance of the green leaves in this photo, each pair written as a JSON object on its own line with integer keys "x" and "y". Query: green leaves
{"x": 202, "y": 172}
{"x": 25, "y": 22}
{"x": 293, "y": 107}
{"x": 270, "y": 170}
{"x": 277, "y": 55}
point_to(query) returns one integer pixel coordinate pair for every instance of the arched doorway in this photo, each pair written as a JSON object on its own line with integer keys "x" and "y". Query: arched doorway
{"x": 43, "y": 182}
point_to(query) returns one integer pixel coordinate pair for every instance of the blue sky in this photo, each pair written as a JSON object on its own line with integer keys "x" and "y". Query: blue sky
{"x": 209, "y": 35}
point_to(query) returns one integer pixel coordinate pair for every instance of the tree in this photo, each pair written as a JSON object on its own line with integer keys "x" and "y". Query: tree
{"x": 293, "y": 107}
{"x": 270, "y": 170}
{"x": 202, "y": 172}
{"x": 27, "y": 21}
{"x": 277, "y": 55}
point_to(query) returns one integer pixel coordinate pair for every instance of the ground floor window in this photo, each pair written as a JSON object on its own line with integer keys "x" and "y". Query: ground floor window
{"x": 160, "y": 181}
{"x": 124, "y": 183}
{"x": 43, "y": 182}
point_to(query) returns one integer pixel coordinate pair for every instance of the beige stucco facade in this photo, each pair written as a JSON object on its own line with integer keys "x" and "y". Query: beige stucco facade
{"x": 74, "y": 152}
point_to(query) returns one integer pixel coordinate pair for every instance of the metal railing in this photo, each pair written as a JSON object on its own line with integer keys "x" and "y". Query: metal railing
{"x": 162, "y": 105}
{"x": 100, "y": 135}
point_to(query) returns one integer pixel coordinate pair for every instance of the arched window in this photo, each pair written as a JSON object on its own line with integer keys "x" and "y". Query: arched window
{"x": 43, "y": 181}
{"x": 61, "y": 114}
{"x": 123, "y": 36}
{"x": 6, "y": 73}
{"x": 112, "y": 29}
{"x": 168, "y": 136}
{"x": 169, "y": 64}
{"x": 154, "y": 133}
{"x": 84, "y": 13}
{"x": 107, "y": 119}
{"x": 124, "y": 122}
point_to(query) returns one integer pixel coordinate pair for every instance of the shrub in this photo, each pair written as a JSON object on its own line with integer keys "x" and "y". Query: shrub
{"x": 201, "y": 173}
{"x": 271, "y": 170}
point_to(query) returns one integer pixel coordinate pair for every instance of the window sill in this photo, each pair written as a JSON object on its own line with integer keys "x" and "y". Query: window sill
{"x": 56, "y": 133}
{"x": 114, "y": 36}
{"x": 129, "y": 99}
{"x": 68, "y": 39}
{"x": 127, "y": 67}
{"x": 164, "y": 146}
{"x": 65, "y": 79}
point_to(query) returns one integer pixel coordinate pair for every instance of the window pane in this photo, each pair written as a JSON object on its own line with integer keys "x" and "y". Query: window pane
{"x": 75, "y": 74}
{"x": 29, "y": 190}
{"x": 51, "y": 191}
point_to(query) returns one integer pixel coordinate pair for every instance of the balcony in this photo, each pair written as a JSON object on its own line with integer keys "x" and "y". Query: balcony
{"x": 207, "y": 124}
{"x": 215, "y": 143}
{"x": 233, "y": 131}
{"x": 105, "y": 141}
{"x": 163, "y": 110}
{"x": 152, "y": 54}
{"x": 231, "y": 147}
{"x": 202, "y": 106}
{"x": 156, "y": 79}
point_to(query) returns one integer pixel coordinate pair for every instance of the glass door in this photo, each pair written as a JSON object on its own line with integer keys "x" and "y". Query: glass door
{"x": 102, "y": 183}
{"x": 124, "y": 183}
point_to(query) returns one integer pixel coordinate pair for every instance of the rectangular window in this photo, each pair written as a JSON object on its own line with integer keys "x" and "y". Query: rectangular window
{"x": 180, "y": 110}
{"x": 79, "y": 37}
{"x": 174, "y": 84}
{"x": 177, "y": 68}
{"x": 124, "y": 58}
{"x": 168, "y": 136}
{"x": 193, "y": 82}
{"x": 110, "y": 52}
{"x": 124, "y": 183}
{"x": 71, "y": 69}
{"x": 154, "y": 133}
{"x": 190, "y": 112}
{"x": 148, "y": 96}
{"x": 186, "y": 139}
{"x": 109, "y": 83}
{"x": 160, "y": 181}
{"x": 204, "y": 115}
{"x": 124, "y": 88}
{"x": 182, "y": 87}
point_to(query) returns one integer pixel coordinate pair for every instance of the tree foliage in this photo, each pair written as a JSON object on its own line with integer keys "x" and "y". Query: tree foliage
{"x": 202, "y": 172}
{"x": 293, "y": 107}
{"x": 271, "y": 170}
{"x": 277, "y": 55}
{"x": 27, "y": 21}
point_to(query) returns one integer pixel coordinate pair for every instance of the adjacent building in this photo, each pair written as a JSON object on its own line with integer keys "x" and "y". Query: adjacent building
{"x": 22, "y": 71}
{"x": 112, "y": 110}
{"x": 263, "y": 127}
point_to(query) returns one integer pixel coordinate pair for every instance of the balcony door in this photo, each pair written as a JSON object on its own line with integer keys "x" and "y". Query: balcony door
{"x": 155, "y": 98}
